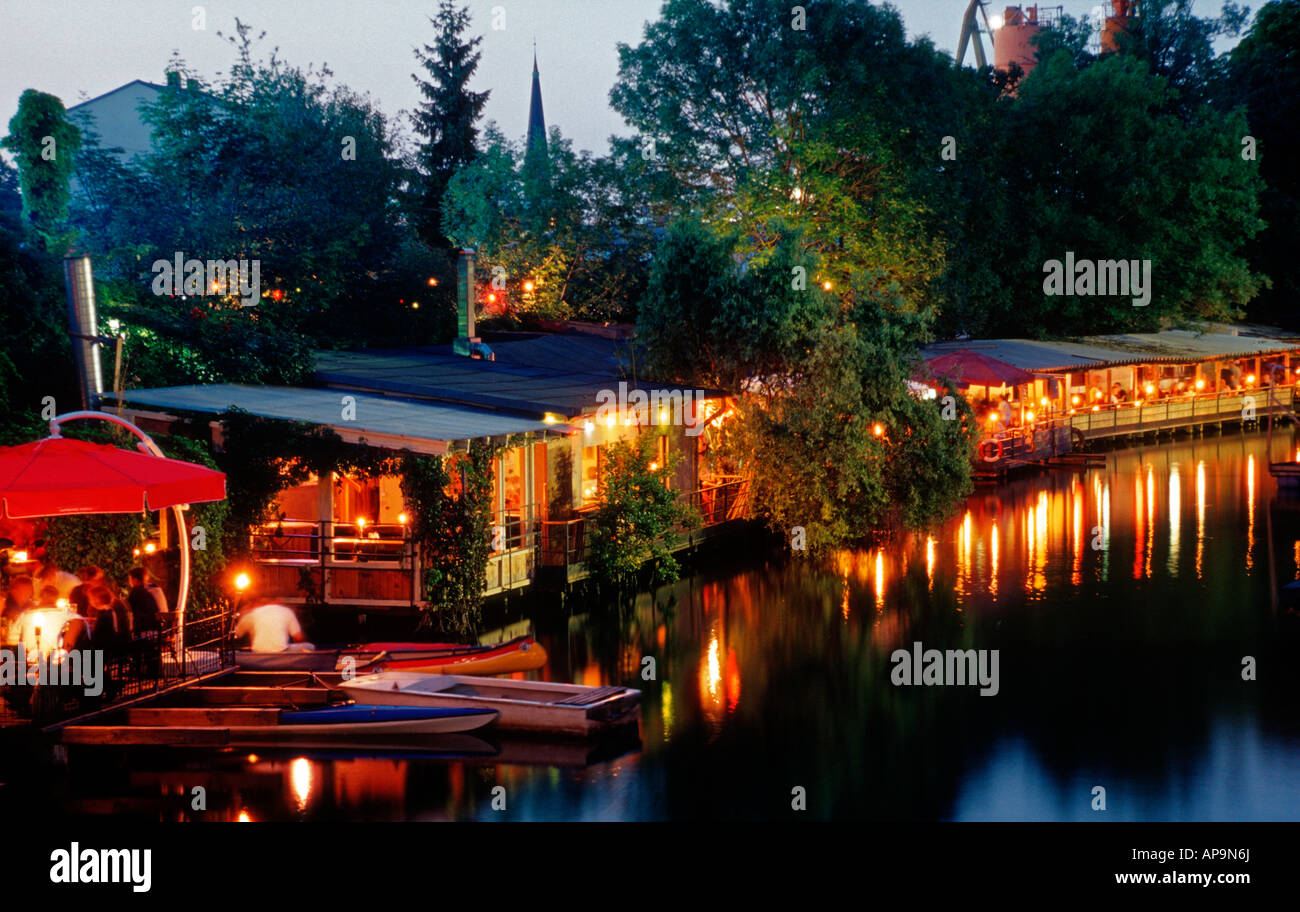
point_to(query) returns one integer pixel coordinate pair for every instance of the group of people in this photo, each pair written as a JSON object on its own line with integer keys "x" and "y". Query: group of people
{"x": 84, "y": 610}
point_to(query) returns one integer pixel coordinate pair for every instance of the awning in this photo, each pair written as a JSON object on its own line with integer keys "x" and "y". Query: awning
{"x": 968, "y": 368}
{"x": 59, "y": 475}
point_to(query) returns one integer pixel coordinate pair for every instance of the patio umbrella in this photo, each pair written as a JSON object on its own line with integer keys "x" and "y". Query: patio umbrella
{"x": 59, "y": 475}
{"x": 970, "y": 367}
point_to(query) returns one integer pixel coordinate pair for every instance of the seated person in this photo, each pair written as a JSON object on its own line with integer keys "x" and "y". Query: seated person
{"x": 20, "y": 597}
{"x": 61, "y": 580}
{"x": 112, "y": 622}
{"x": 143, "y": 603}
{"x": 39, "y": 628}
{"x": 270, "y": 627}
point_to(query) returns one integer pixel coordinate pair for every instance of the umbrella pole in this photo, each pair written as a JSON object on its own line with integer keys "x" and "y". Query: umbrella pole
{"x": 147, "y": 444}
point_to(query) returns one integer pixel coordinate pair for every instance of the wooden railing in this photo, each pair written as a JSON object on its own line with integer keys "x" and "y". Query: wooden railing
{"x": 1178, "y": 411}
{"x": 322, "y": 561}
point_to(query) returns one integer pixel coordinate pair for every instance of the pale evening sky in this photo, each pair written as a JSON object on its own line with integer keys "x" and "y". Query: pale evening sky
{"x": 77, "y": 49}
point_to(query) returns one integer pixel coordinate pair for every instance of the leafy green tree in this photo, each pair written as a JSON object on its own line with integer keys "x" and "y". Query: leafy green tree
{"x": 826, "y": 430}
{"x": 639, "y": 516}
{"x": 447, "y": 117}
{"x": 575, "y": 245}
{"x": 271, "y": 164}
{"x": 44, "y": 144}
{"x": 1108, "y": 166}
{"x": 1264, "y": 76}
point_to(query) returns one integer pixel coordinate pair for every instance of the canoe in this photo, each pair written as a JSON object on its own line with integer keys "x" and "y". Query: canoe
{"x": 520, "y": 654}
{"x": 526, "y": 706}
{"x": 350, "y": 720}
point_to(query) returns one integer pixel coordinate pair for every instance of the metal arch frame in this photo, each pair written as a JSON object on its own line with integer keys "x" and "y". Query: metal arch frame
{"x": 970, "y": 29}
{"x": 146, "y": 445}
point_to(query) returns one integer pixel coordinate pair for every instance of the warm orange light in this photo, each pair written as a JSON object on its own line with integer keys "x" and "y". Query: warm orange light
{"x": 415, "y": 305}
{"x": 1096, "y": 394}
{"x": 361, "y": 523}
{"x": 609, "y": 420}
{"x": 528, "y": 287}
{"x": 1151, "y": 390}
{"x": 432, "y": 282}
{"x": 150, "y": 547}
{"x": 1250, "y": 378}
{"x": 1096, "y": 408}
{"x": 401, "y": 518}
{"x": 654, "y": 467}
{"x": 878, "y": 430}
{"x": 1074, "y": 400}
{"x": 492, "y": 298}
{"x": 1043, "y": 402}
{"x": 993, "y": 418}
{"x": 19, "y": 557}
{"x": 827, "y": 286}
{"x": 1200, "y": 384}
{"x": 1029, "y": 416}
{"x": 242, "y": 582}
{"x": 135, "y": 552}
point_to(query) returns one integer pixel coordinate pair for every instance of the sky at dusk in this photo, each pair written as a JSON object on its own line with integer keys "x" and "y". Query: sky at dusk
{"x": 78, "y": 49}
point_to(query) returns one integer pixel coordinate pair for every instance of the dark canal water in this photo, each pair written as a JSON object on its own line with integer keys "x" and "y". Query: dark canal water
{"x": 1120, "y": 666}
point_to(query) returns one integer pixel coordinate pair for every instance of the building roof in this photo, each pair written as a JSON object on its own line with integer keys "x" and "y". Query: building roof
{"x": 122, "y": 88}
{"x": 380, "y": 421}
{"x": 1168, "y": 346}
{"x": 555, "y": 375}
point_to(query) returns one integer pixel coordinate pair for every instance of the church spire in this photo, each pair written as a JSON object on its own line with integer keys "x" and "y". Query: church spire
{"x": 536, "y": 118}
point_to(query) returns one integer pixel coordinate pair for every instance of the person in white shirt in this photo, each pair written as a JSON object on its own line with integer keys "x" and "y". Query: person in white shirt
{"x": 61, "y": 580}
{"x": 271, "y": 627}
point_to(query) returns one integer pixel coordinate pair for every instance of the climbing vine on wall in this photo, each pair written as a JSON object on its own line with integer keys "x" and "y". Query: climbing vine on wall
{"x": 450, "y": 500}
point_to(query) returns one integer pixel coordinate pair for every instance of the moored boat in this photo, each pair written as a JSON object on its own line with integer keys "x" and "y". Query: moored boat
{"x": 539, "y": 707}
{"x": 520, "y": 654}
{"x": 355, "y": 719}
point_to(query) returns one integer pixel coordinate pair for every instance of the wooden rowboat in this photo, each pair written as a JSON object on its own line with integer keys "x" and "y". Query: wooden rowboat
{"x": 525, "y": 706}
{"x": 520, "y": 654}
{"x": 355, "y": 719}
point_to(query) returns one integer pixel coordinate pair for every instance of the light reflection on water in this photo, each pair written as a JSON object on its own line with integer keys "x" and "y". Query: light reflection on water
{"x": 1119, "y": 667}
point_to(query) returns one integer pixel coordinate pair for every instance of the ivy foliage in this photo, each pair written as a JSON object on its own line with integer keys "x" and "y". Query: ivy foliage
{"x": 451, "y": 531}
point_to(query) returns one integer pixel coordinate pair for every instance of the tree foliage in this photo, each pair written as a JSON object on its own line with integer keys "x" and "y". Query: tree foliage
{"x": 639, "y": 516}
{"x": 446, "y": 120}
{"x": 44, "y": 144}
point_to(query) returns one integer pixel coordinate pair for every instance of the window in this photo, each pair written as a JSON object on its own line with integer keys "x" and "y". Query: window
{"x": 592, "y": 466}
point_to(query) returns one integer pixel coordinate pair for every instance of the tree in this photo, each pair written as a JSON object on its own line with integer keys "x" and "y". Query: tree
{"x": 639, "y": 515}
{"x": 1264, "y": 76}
{"x": 271, "y": 165}
{"x": 44, "y": 144}
{"x": 575, "y": 245}
{"x": 1104, "y": 163}
{"x": 446, "y": 119}
{"x": 826, "y": 430}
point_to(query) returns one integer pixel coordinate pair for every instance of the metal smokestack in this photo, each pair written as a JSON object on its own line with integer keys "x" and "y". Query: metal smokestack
{"x": 84, "y": 329}
{"x": 467, "y": 343}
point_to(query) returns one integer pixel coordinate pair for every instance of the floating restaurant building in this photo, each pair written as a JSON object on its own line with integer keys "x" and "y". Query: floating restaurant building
{"x": 547, "y": 399}
{"x": 1118, "y": 386}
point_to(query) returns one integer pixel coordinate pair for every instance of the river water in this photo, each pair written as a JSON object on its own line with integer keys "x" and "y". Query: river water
{"x": 1124, "y": 603}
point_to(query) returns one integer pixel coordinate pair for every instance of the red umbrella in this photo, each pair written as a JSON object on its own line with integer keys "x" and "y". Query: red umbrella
{"x": 970, "y": 367}
{"x": 59, "y": 475}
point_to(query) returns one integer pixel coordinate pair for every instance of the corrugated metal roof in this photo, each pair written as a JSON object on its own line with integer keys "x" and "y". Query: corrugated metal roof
{"x": 1130, "y": 348}
{"x": 381, "y": 420}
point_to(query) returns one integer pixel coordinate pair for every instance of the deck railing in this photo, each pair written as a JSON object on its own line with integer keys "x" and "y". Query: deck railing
{"x": 566, "y": 542}
{"x": 325, "y": 561}
{"x": 145, "y": 664}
